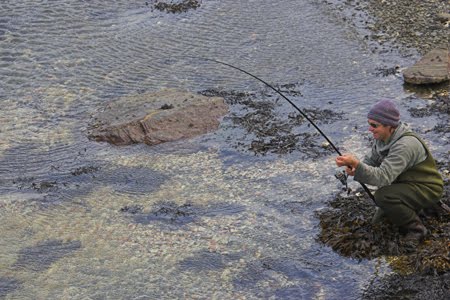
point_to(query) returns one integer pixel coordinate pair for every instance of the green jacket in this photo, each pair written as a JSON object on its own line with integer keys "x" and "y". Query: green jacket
{"x": 390, "y": 161}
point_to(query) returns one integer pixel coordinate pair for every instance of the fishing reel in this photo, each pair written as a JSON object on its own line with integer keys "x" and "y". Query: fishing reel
{"x": 342, "y": 177}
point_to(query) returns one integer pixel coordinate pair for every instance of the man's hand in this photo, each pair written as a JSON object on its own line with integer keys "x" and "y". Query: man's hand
{"x": 350, "y": 171}
{"x": 349, "y": 161}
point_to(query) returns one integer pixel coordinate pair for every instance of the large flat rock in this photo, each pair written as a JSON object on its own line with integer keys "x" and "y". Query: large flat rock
{"x": 154, "y": 118}
{"x": 431, "y": 68}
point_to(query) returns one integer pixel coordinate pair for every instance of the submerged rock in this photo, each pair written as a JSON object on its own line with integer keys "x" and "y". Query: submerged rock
{"x": 431, "y": 68}
{"x": 177, "y": 6}
{"x": 154, "y": 118}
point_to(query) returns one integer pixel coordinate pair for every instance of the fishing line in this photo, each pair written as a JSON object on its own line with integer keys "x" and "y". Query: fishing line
{"x": 340, "y": 177}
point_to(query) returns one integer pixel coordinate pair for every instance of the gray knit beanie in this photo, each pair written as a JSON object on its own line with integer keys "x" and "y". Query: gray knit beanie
{"x": 385, "y": 112}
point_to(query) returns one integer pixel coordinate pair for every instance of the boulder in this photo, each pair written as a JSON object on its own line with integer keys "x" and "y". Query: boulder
{"x": 154, "y": 118}
{"x": 433, "y": 67}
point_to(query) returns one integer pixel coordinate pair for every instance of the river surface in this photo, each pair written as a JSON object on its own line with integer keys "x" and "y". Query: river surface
{"x": 195, "y": 219}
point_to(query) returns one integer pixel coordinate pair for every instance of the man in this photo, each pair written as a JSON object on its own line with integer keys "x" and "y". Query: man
{"x": 402, "y": 168}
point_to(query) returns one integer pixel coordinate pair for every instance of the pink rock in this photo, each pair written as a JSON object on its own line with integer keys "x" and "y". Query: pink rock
{"x": 154, "y": 118}
{"x": 433, "y": 67}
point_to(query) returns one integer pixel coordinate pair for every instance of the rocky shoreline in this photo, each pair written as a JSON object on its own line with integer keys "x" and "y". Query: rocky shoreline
{"x": 416, "y": 24}
{"x": 421, "y": 271}
{"x": 421, "y": 25}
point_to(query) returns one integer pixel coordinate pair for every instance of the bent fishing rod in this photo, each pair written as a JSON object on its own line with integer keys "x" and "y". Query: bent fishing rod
{"x": 296, "y": 107}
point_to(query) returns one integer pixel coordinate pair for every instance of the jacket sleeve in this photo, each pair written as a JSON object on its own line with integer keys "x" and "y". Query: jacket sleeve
{"x": 403, "y": 154}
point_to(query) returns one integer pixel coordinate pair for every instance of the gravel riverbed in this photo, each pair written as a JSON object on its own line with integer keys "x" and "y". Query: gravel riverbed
{"x": 402, "y": 23}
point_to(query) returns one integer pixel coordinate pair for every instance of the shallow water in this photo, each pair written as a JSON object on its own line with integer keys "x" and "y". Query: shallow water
{"x": 196, "y": 219}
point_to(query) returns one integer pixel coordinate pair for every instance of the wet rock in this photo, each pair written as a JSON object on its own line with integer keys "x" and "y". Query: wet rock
{"x": 439, "y": 105}
{"x": 179, "y": 215}
{"x": 39, "y": 258}
{"x": 154, "y": 118}
{"x": 176, "y": 6}
{"x": 413, "y": 286}
{"x": 431, "y": 68}
{"x": 131, "y": 209}
{"x": 388, "y": 71}
{"x": 44, "y": 186}
{"x": 169, "y": 213}
{"x": 84, "y": 170}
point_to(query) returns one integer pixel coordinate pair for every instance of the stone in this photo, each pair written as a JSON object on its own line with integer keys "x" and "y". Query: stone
{"x": 443, "y": 17}
{"x": 432, "y": 68}
{"x": 158, "y": 117}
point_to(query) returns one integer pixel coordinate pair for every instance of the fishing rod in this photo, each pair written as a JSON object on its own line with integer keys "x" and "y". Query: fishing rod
{"x": 340, "y": 176}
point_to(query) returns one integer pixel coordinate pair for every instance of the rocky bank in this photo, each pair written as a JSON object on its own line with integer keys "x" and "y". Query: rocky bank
{"x": 403, "y": 24}
{"x": 420, "y": 271}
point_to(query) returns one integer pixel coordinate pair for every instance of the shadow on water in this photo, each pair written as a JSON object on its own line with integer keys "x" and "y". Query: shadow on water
{"x": 207, "y": 261}
{"x": 298, "y": 272}
{"x": 39, "y": 257}
{"x": 8, "y": 285}
{"x": 64, "y": 183}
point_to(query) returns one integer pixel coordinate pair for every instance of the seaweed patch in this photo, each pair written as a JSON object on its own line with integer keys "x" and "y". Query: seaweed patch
{"x": 266, "y": 130}
{"x": 170, "y": 213}
{"x": 347, "y": 228}
{"x": 176, "y": 6}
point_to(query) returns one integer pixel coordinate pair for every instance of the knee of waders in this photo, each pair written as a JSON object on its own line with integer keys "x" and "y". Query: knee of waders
{"x": 380, "y": 196}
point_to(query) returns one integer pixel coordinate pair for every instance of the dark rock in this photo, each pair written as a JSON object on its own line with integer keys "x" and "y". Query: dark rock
{"x": 154, "y": 118}
{"x": 180, "y": 7}
{"x": 179, "y": 215}
{"x": 84, "y": 170}
{"x": 413, "y": 286}
{"x": 431, "y": 68}
{"x": 132, "y": 209}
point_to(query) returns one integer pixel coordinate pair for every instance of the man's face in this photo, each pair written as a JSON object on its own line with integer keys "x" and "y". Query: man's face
{"x": 380, "y": 132}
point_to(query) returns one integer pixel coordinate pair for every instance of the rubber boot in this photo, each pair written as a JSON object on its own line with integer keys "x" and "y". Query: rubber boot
{"x": 415, "y": 230}
{"x": 379, "y": 216}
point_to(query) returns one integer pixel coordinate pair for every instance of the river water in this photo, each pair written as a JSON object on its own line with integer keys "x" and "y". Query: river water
{"x": 87, "y": 220}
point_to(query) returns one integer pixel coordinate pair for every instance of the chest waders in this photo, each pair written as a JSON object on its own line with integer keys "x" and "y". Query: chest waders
{"x": 419, "y": 187}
